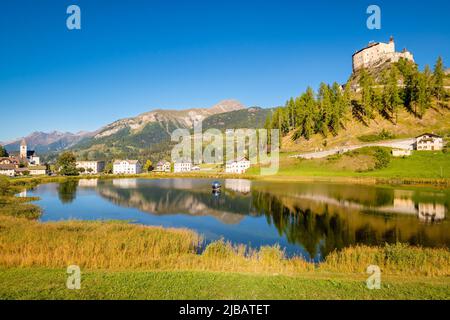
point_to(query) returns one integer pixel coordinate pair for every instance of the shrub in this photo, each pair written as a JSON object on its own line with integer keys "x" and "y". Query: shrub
{"x": 382, "y": 158}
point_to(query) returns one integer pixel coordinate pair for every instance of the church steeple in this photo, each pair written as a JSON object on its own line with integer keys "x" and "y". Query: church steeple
{"x": 23, "y": 149}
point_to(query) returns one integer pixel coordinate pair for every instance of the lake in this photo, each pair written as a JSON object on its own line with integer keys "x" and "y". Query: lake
{"x": 307, "y": 219}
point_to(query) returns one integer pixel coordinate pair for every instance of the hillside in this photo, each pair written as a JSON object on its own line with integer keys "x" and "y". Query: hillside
{"x": 253, "y": 117}
{"x": 148, "y": 135}
{"x": 435, "y": 120}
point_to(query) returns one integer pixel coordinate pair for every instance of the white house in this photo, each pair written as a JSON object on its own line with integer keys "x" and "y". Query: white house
{"x": 37, "y": 170}
{"x": 182, "y": 166}
{"x": 91, "y": 167}
{"x": 239, "y": 166}
{"x": 401, "y": 152}
{"x": 7, "y": 170}
{"x": 163, "y": 166}
{"x": 429, "y": 142}
{"x": 127, "y": 167}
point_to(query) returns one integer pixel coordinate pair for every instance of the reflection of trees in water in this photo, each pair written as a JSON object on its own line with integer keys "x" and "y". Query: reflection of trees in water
{"x": 328, "y": 230}
{"x": 67, "y": 191}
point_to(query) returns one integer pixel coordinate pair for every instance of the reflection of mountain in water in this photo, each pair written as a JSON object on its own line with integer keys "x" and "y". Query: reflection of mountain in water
{"x": 180, "y": 198}
{"x": 319, "y": 217}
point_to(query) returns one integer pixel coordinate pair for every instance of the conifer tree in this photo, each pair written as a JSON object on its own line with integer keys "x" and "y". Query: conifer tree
{"x": 438, "y": 80}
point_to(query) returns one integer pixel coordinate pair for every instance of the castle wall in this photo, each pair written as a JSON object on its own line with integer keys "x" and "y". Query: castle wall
{"x": 377, "y": 53}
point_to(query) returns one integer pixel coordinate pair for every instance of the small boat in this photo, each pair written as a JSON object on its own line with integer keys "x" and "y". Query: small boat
{"x": 216, "y": 186}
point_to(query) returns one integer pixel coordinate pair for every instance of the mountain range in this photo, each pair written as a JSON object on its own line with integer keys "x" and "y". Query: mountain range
{"x": 144, "y": 136}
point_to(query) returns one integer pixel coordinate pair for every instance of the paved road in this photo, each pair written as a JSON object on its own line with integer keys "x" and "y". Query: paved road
{"x": 399, "y": 143}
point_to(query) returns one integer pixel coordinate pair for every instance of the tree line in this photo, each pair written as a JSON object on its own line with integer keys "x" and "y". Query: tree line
{"x": 400, "y": 85}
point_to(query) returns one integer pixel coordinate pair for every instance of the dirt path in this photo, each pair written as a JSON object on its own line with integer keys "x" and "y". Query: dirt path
{"x": 399, "y": 143}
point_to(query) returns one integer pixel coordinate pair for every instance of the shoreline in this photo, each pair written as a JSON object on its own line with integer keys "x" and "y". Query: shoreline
{"x": 365, "y": 180}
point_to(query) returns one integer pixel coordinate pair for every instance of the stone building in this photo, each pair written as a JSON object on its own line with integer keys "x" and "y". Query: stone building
{"x": 377, "y": 53}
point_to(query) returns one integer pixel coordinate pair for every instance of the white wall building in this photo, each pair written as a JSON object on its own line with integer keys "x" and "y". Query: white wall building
{"x": 429, "y": 142}
{"x": 377, "y": 53}
{"x": 401, "y": 152}
{"x": 37, "y": 170}
{"x": 163, "y": 166}
{"x": 7, "y": 170}
{"x": 94, "y": 167}
{"x": 182, "y": 166}
{"x": 127, "y": 167}
{"x": 28, "y": 156}
{"x": 238, "y": 167}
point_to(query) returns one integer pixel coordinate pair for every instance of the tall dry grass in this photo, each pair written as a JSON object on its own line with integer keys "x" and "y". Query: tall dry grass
{"x": 122, "y": 246}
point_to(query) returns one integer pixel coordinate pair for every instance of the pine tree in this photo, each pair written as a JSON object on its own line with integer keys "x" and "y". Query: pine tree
{"x": 422, "y": 92}
{"x": 391, "y": 93}
{"x": 326, "y": 109}
{"x": 3, "y": 152}
{"x": 438, "y": 79}
{"x": 366, "y": 83}
{"x": 309, "y": 118}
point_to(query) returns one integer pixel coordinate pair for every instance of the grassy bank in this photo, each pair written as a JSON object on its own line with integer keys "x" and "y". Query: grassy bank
{"x": 122, "y": 246}
{"x": 127, "y": 261}
{"x": 419, "y": 168}
{"x": 37, "y": 283}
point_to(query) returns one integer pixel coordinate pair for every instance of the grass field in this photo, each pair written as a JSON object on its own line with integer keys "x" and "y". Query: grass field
{"x": 421, "y": 164}
{"x": 38, "y": 283}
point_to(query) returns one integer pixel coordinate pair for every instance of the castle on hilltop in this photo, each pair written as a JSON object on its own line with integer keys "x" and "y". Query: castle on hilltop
{"x": 377, "y": 53}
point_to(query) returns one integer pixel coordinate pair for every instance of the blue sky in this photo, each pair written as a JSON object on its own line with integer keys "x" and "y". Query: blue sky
{"x": 134, "y": 56}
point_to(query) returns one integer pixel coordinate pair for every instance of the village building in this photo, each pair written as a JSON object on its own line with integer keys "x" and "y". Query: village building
{"x": 377, "y": 53}
{"x": 401, "y": 152}
{"x": 238, "y": 167}
{"x": 37, "y": 170}
{"x": 182, "y": 166}
{"x": 10, "y": 160}
{"x": 163, "y": 166}
{"x": 7, "y": 170}
{"x": 28, "y": 156}
{"x": 91, "y": 167}
{"x": 195, "y": 168}
{"x": 429, "y": 142}
{"x": 127, "y": 167}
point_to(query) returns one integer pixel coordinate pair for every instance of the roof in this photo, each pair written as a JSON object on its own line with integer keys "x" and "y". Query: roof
{"x": 37, "y": 168}
{"x": 86, "y": 161}
{"x": 7, "y": 166}
{"x": 429, "y": 134}
{"x": 129, "y": 161}
{"x": 23, "y": 143}
{"x": 370, "y": 45}
{"x": 161, "y": 163}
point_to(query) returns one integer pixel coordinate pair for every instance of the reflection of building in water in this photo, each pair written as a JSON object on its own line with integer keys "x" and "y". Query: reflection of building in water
{"x": 431, "y": 211}
{"x": 238, "y": 185}
{"x": 125, "y": 183}
{"x": 88, "y": 183}
{"x": 402, "y": 205}
{"x": 23, "y": 194}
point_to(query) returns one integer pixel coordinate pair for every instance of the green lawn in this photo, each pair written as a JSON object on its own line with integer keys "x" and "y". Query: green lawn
{"x": 37, "y": 283}
{"x": 421, "y": 164}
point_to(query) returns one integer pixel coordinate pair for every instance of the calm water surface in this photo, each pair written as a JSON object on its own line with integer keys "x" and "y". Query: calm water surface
{"x": 308, "y": 219}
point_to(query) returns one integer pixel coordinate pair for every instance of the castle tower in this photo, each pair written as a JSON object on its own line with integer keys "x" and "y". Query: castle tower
{"x": 23, "y": 149}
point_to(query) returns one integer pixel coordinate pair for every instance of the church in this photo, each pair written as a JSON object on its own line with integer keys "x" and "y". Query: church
{"x": 28, "y": 156}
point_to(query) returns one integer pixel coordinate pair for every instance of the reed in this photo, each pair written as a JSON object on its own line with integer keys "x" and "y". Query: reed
{"x": 124, "y": 246}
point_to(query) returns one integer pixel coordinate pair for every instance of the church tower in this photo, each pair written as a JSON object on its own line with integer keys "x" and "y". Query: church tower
{"x": 23, "y": 149}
